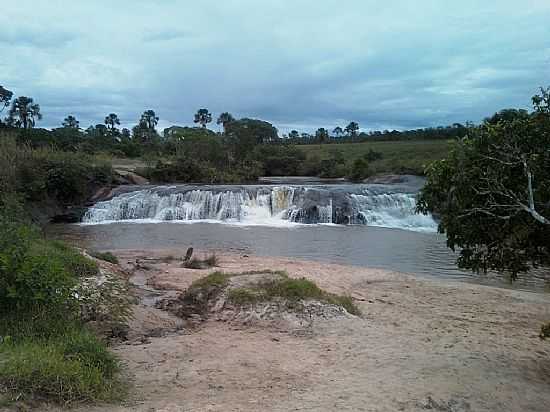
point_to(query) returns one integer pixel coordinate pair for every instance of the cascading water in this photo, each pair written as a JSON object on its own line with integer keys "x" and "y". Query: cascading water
{"x": 266, "y": 205}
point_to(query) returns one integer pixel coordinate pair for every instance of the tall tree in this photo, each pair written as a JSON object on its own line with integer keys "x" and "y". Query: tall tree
{"x": 112, "y": 120}
{"x": 149, "y": 119}
{"x": 492, "y": 192}
{"x": 294, "y": 134}
{"x": 70, "y": 122}
{"x": 351, "y": 129}
{"x": 5, "y": 98}
{"x": 224, "y": 119}
{"x": 338, "y": 131}
{"x": 24, "y": 112}
{"x": 322, "y": 135}
{"x": 203, "y": 117}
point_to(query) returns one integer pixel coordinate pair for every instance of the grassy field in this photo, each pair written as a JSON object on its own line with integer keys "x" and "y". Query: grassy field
{"x": 397, "y": 157}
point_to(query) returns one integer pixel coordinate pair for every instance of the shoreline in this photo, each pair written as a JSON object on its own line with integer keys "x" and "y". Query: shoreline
{"x": 420, "y": 344}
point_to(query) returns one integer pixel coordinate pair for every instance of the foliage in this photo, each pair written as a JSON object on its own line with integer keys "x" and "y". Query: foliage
{"x": 5, "y": 97}
{"x": 203, "y": 117}
{"x": 360, "y": 169}
{"x": 352, "y": 128}
{"x": 279, "y": 160}
{"x": 492, "y": 193}
{"x": 44, "y": 174}
{"x": 243, "y": 135}
{"x": 24, "y": 112}
{"x": 545, "y": 331}
{"x": 70, "y": 122}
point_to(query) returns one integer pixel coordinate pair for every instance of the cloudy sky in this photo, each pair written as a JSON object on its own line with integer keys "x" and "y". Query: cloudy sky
{"x": 297, "y": 63}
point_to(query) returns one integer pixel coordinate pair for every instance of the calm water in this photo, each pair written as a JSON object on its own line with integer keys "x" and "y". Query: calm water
{"x": 422, "y": 254}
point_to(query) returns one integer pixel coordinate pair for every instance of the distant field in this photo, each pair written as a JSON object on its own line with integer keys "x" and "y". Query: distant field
{"x": 397, "y": 157}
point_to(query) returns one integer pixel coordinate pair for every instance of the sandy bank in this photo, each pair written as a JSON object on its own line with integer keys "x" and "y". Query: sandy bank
{"x": 421, "y": 345}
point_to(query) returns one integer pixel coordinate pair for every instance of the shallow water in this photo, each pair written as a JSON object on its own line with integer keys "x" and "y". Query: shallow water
{"x": 422, "y": 254}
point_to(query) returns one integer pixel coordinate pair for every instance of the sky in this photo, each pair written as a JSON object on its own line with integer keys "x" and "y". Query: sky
{"x": 300, "y": 64}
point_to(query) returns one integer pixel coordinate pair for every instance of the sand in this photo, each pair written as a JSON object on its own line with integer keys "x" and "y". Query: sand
{"x": 421, "y": 345}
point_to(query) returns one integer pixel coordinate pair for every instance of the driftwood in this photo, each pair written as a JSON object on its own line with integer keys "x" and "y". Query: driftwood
{"x": 188, "y": 254}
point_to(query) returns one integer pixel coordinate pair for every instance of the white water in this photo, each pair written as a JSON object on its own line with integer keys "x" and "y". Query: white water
{"x": 265, "y": 205}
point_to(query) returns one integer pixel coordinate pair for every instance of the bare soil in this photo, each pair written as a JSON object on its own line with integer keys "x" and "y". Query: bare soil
{"x": 420, "y": 345}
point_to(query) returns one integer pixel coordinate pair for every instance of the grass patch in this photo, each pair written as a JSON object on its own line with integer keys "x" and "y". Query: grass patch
{"x": 292, "y": 290}
{"x": 74, "y": 367}
{"x": 208, "y": 262}
{"x": 396, "y": 157}
{"x": 215, "y": 279}
{"x": 106, "y": 256}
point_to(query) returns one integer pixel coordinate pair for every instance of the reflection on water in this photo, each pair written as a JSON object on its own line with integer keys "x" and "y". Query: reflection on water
{"x": 423, "y": 254}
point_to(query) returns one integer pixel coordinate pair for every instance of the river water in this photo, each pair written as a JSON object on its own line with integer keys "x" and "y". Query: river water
{"x": 364, "y": 225}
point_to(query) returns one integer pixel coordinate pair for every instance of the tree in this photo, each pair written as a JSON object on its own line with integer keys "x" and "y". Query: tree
{"x": 111, "y": 121}
{"x": 337, "y": 132}
{"x": 294, "y": 134}
{"x": 5, "y": 98}
{"x": 70, "y": 122}
{"x": 203, "y": 117}
{"x": 352, "y": 129}
{"x": 149, "y": 119}
{"x": 492, "y": 193}
{"x": 322, "y": 135}
{"x": 24, "y": 112}
{"x": 224, "y": 119}
{"x": 244, "y": 134}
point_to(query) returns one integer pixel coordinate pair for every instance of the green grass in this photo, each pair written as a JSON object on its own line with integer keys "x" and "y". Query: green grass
{"x": 66, "y": 369}
{"x": 292, "y": 290}
{"x": 106, "y": 256}
{"x": 397, "y": 157}
{"x": 215, "y": 279}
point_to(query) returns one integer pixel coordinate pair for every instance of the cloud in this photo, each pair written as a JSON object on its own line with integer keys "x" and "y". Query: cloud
{"x": 301, "y": 64}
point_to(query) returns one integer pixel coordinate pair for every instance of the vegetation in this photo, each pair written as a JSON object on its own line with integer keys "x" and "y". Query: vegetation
{"x": 106, "y": 256}
{"x": 46, "y": 351}
{"x": 545, "y": 331}
{"x": 492, "y": 192}
{"x": 291, "y": 290}
{"x": 47, "y": 289}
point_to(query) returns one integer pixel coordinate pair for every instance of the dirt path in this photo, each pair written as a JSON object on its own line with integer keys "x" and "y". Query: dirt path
{"x": 422, "y": 345}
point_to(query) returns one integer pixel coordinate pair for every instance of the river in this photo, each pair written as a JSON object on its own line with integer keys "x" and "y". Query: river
{"x": 370, "y": 225}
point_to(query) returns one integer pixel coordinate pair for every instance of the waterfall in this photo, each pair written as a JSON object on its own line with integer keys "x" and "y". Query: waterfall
{"x": 265, "y": 205}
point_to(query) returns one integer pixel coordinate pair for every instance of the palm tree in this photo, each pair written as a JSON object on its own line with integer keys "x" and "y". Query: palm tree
{"x": 149, "y": 119}
{"x": 70, "y": 122}
{"x": 111, "y": 121}
{"x": 224, "y": 119}
{"x": 24, "y": 112}
{"x": 203, "y": 116}
{"x": 337, "y": 132}
{"x": 5, "y": 97}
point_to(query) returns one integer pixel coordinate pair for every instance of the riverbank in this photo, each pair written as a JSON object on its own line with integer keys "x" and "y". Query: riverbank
{"x": 420, "y": 345}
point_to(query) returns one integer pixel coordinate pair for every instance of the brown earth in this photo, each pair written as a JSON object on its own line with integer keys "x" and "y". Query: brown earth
{"x": 420, "y": 345}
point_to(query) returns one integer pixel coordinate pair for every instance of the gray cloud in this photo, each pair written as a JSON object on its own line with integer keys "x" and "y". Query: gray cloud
{"x": 300, "y": 64}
